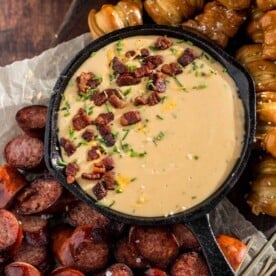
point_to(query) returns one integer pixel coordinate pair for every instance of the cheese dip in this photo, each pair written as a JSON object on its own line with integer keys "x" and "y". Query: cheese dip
{"x": 150, "y": 126}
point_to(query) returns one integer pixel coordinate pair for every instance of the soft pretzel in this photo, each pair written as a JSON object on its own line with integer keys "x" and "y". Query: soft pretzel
{"x": 268, "y": 25}
{"x": 217, "y": 22}
{"x": 112, "y": 17}
{"x": 172, "y": 12}
{"x": 266, "y": 5}
{"x": 236, "y": 5}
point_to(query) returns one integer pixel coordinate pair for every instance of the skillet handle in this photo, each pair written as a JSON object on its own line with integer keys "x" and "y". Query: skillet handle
{"x": 215, "y": 259}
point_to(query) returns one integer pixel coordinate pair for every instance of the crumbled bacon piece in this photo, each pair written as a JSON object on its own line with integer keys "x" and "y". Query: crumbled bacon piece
{"x": 113, "y": 91}
{"x": 68, "y": 146}
{"x": 99, "y": 98}
{"x": 109, "y": 180}
{"x": 80, "y": 120}
{"x": 171, "y": 69}
{"x": 104, "y": 118}
{"x": 127, "y": 79}
{"x": 130, "y": 53}
{"x": 71, "y": 171}
{"x": 108, "y": 163}
{"x": 94, "y": 153}
{"x": 158, "y": 82}
{"x": 87, "y": 81}
{"x": 144, "y": 52}
{"x": 187, "y": 57}
{"x": 142, "y": 71}
{"x": 99, "y": 168}
{"x": 116, "y": 102}
{"x": 139, "y": 100}
{"x": 99, "y": 191}
{"x": 154, "y": 98}
{"x": 118, "y": 66}
{"x": 108, "y": 137}
{"x": 163, "y": 43}
{"x": 153, "y": 61}
{"x": 130, "y": 118}
{"x": 91, "y": 176}
{"x": 103, "y": 129}
{"x": 88, "y": 135}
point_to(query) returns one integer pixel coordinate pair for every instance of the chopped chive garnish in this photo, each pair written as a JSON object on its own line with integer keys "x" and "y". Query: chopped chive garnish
{"x": 153, "y": 48}
{"x": 82, "y": 143}
{"x": 107, "y": 107}
{"x": 71, "y": 132}
{"x": 179, "y": 83}
{"x": 149, "y": 85}
{"x": 163, "y": 99}
{"x": 126, "y": 92}
{"x": 159, "y": 136}
{"x": 133, "y": 179}
{"x": 92, "y": 54}
{"x": 62, "y": 163}
{"x": 119, "y": 46}
{"x": 126, "y": 134}
{"x": 173, "y": 50}
{"x": 189, "y": 42}
{"x": 159, "y": 117}
{"x": 224, "y": 70}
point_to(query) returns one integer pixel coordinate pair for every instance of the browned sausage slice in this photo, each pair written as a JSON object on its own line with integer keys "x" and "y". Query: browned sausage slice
{"x": 38, "y": 197}
{"x": 191, "y": 263}
{"x": 66, "y": 271}
{"x": 157, "y": 244}
{"x": 11, "y": 181}
{"x": 119, "y": 270}
{"x": 32, "y": 120}
{"x": 89, "y": 249}
{"x": 82, "y": 214}
{"x": 24, "y": 152}
{"x": 35, "y": 255}
{"x": 185, "y": 237}
{"x": 155, "y": 272}
{"x": 60, "y": 246}
{"x": 21, "y": 269}
{"x": 10, "y": 235}
{"x": 127, "y": 253}
{"x": 35, "y": 229}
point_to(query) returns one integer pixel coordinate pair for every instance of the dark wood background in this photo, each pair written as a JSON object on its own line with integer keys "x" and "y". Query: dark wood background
{"x": 29, "y": 27}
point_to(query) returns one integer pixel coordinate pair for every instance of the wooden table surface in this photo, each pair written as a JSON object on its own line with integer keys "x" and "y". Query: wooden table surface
{"x": 29, "y": 27}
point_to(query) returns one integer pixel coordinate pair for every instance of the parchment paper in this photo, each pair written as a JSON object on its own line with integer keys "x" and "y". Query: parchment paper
{"x": 31, "y": 81}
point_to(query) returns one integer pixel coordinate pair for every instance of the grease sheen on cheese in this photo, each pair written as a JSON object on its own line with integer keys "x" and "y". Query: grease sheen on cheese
{"x": 190, "y": 141}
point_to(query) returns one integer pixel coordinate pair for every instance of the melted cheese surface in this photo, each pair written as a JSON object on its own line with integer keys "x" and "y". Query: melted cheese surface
{"x": 184, "y": 147}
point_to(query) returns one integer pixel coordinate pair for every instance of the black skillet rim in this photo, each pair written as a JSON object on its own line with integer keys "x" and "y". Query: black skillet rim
{"x": 246, "y": 92}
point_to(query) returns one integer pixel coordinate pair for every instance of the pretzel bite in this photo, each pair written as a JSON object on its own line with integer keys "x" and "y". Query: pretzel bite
{"x": 249, "y": 53}
{"x": 217, "y": 22}
{"x": 266, "y": 4}
{"x": 263, "y": 73}
{"x": 112, "y": 17}
{"x": 262, "y": 197}
{"x": 268, "y": 25}
{"x": 253, "y": 29}
{"x": 234, "y": 4}
{"x": 172, "y": 12}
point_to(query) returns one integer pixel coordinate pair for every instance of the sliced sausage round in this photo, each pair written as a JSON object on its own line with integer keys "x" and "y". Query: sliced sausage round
{"x": 89, "y": 249}
{"x": 185, "y": 238}
{"x": 119, "y": 270}
{"x": 22, "y": 269}
{"x": 157, "y": 244}
{"x": 37, "y": 256}
{"x": 24, "y": 152}
{"x": 82, "y": 214}
{"x": 35, "y": 229}
{"x": 60, "y": 246}
{"x": 11, "y": 181}
{"x": 66, "y": 271}
{"x": 127, "y": 253}
{"x": 10, "y": 235}
{"x": 155, "y": 272}
{"x": 190, "y": 264}
{"x": 32, "y": 120}
{"x": 38, "y": 197}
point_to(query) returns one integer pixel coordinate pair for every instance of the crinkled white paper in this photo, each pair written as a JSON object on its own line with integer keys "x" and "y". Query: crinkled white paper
{"x": 31, "y": 82}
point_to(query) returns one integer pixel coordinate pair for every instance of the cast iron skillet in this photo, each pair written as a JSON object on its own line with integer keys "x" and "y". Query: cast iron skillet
{"x": 197, "y": 217}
